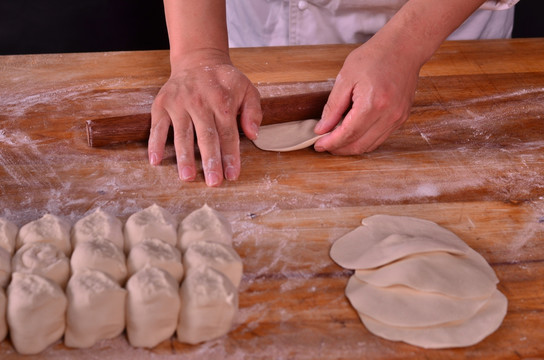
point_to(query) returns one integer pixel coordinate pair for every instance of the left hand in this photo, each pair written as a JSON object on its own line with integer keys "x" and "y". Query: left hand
{"x": 379, "y": 84}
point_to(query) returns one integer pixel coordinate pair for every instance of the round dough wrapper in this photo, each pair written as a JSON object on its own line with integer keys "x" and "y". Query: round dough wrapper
{"x": 3, "y": 322}
{"x": 96, "y": 309}
{"x": 155, "y": 252}
{"x": 463, "y": 276}
{"x": 455, "y": 334}
{"x": 47, "y": 229}
{"x": 209, "y": 304}
{"x": 8, "y": 233}
{"x": 288, "y": 136}
{"x": 5, "y": 267}
{"x": 402, "y": 306}
{"x": 152, "y": 222}
{"x": 204, "y": 224}
{"x": 36, "y": 312}
{"x": 42, "y": 259}
{"x": 152, "y": 307}
{"x": 98, "y": 225}
{"x": 385, "y": 239}
{"x": 100, "y": 254}
{"x": 218, "y": 256}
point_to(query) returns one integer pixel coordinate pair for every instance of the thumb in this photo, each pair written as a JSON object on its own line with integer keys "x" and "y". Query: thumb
{"x": 337, "y": 104}
{"x": 251, "y": 114}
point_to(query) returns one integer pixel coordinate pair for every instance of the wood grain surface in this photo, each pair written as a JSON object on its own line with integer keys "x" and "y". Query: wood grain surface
{"x": 471, "y": 158}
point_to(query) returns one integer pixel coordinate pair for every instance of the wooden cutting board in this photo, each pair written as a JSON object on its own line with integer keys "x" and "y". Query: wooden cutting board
{"x": 469, "y": 158}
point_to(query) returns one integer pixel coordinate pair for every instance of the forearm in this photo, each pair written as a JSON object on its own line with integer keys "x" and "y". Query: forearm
{"x": 196, "y": 27}
{"x": 420, "y": 26}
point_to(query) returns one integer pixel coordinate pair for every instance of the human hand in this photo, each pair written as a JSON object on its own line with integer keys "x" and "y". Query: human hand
{"x": 204, "y": 95}
{"x": 379, "y": 85}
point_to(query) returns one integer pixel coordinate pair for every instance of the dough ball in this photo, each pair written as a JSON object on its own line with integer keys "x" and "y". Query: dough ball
{"x": 463, "y": 276}
{"x": 152, "y": 307}
{"x": 453, "y": 334}
{"x": 5, "y": 267}
{"x": 152, "y": 222}
{"x": 36, "y": 312}
{"x": 402, "y": 306}
{"x": 155, "y": 252}
{"x": 218, "y": 256}
{"x": 384, "y": 239}
{"x": 8, "y": 233}
{"x": 47, "y": 229}
{"x": 209, "y": 304}
{"x": 3, "y": 322}
{"x": 204, "y": 224}
{"x": 100, "y": 254}
{"x": 96, "y": 309}
{"x": 42, "y": 259}
{"x": 98, "y": 225}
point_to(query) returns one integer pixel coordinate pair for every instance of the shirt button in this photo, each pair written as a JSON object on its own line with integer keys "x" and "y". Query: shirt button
{"x": 302, "y": 5}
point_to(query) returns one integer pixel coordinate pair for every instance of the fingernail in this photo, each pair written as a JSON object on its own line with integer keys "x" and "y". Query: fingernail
{"x": 154, "y": 159}
{"x": 187, "y": 173}
{"x": 318, "y": 126}
{"x": 255, "y": 129}
{"x": 212, "y": 179}
{"x": 230, "y": 173}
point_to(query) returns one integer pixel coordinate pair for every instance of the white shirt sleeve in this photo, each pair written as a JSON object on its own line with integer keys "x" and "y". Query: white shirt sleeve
{"x": 498, "y": 4}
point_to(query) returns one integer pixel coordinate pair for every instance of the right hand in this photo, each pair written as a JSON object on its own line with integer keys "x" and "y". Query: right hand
{"x": 204, "y": 95}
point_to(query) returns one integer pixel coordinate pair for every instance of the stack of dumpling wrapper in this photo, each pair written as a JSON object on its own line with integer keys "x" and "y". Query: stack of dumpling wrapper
{"x": 417, "y": 282}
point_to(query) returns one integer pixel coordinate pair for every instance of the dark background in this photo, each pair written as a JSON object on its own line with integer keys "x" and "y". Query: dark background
{"x": 53, "y": 26}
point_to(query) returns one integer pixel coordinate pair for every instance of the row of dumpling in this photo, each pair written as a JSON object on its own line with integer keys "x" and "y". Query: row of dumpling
{"x": 71, "y": 281}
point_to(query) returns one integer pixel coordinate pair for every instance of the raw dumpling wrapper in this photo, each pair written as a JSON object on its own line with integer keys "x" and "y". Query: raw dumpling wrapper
{"x": 464, "y": 276}
{"x": 454, "y": 334}
{"x": 289, "y": 136}
{"x": 402, "y": 306}
{"x": 384, "y": 239}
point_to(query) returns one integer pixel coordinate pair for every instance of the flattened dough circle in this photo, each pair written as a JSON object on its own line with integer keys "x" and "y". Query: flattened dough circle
{"x": 463, "y": 276}
{"x": 384, "y": 239}
{"x": 454, "y": 334}
{"x": 289, "y": 136}
{"x": 402, "y": 306}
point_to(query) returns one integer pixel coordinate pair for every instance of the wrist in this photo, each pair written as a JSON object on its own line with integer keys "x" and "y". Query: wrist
{"x": 198, "y": 57}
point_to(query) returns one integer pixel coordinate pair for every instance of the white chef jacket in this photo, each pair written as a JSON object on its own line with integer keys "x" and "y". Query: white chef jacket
{"x": 307, "y": 22}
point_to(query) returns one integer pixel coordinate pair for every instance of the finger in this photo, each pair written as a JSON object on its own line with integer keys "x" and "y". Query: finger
{"x": 229, "y": 141}
{"x": 338, "y": 102}
{"x": 251, "y": 114}
{"x": 185, "y": 147}
{"x": 160, "y": 123}
{"x": 208, "y": 143}
{"x": 369, "y": 142}
{"x": 356, "y": 123}
{"x": 382, "y": 135}
{"x": 371, "y": 139}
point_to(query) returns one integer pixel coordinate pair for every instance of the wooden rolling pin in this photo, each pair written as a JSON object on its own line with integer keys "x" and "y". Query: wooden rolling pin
{"x": 276, "y": 109}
